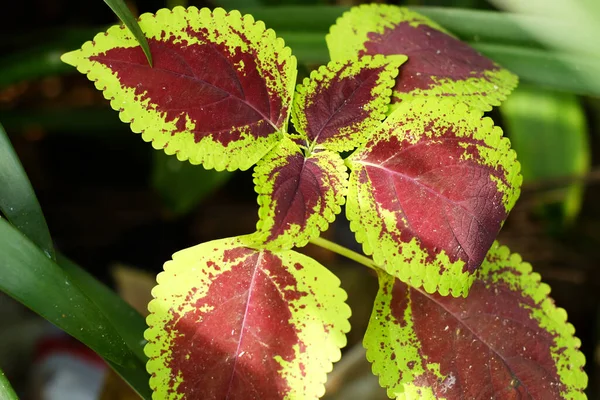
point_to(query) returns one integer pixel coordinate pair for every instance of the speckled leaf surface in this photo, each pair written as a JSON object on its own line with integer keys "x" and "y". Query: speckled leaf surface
{"x": 429, "y": 192}
{"x": 298, "y": 195}
{"x": 341, "y": 101}
{"x": 438, "y": 63}
{"x": 231, "y": 322}
{"x": 219, "y": 93}
{"x": 507, "y": 340}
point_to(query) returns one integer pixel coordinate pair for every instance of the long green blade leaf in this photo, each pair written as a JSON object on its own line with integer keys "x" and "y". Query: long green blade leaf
{"x": 548, "y": 131}
{"x": 551, "y": 69}
{"x": 6, "y": 390}
{"x": 33, "y": 279}
{"x": 128, "y": 322}
{"x": 18, "y": 202}
{"x": 121, "y": 10}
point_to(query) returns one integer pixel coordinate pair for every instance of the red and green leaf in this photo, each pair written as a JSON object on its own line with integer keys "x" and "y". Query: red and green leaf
{"x": 298, "y": 195}
{"x": 438, "y": 63}
{"x": 339, "y": 102}
{"x": 232, "y": 322}
{"x": 506, "y": 340}
{"x": 219, "y": 93}
{"x": 429, "y": 192}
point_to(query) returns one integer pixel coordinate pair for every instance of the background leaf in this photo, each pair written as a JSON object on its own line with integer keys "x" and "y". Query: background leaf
{"x": 35, "y": 280}
{"x": 272, "y": 324}
{"x": 506, "y": 340}
{"x": 548, "y": 131}
{"x": 61, "y": 294}
{"x": 18, "y": 202}
{"x": 429, "y": 192}
{"x": 120, "y": 9}
{"x": 182, "y": 185}
{"x": 220, "y": 92}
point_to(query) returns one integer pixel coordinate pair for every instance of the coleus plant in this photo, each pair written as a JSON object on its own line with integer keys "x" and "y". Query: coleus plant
{"x": 427, "y": 185}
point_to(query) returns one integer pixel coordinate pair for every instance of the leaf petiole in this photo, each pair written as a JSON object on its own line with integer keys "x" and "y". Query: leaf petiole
{"x": 344, "y": 251}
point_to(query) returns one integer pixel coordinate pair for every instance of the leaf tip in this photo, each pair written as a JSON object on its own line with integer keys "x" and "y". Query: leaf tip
{"x": 71, "y": 57}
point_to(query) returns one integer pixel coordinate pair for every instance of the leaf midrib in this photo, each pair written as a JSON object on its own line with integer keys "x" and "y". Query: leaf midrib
{"x": 194, "y": 77}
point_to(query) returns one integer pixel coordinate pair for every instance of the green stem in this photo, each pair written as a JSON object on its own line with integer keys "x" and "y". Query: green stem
{"x": 343, "y": 251}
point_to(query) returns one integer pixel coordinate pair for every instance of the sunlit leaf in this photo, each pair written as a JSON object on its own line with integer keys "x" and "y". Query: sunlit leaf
{"x": 339, "y": 102}
{"x": 438, "y": 63}
{"x": 298, "y": 195}
{"x": 506, "y": 340}
{"x": 219, "y": 93}
{"x": 232, "y": 322}
{"x": 548, "y": 130}
{"x": 430, "y": 191}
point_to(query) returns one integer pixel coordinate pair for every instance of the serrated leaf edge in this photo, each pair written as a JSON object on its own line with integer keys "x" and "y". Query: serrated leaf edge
{"x": 378, "y": 108}
{"x": 453, "y": 280}
{"x": 105, "y": 81}
{"x": 319, "y": 221}
{"x": 154, "y": 331}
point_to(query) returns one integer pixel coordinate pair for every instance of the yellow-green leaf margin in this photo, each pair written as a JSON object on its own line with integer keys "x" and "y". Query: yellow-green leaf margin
{"x": 409, "y": 149}
{"x": 506, "y": 340}
{"x": 299, "y": 196}
{"x": 230, "y": 321}
{"x": 438, "y": 50}
{"x": 341, "y": 101}
{"x": 274, "y": 64}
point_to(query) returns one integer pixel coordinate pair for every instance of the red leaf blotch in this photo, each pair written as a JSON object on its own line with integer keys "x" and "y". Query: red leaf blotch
{"x": 218, "y": 91}
{"x": 487, "y": 345}
{"x": 339, "y": 103}
{"x": 449, "y": 203}
{"x": 228, "y": 352}
{"x": 431, "y": 53}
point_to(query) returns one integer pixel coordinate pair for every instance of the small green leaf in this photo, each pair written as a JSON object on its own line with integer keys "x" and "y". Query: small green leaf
{"x": 181, "y": 185}
{"x": 220, "y": 91}
{"x": 438, "y": 63}
{"x": 506, "y": 340}
{"x": 229, "y": 321}
{"x": 18, "y": 202}
{"x": 33, "y": 279}
{"x": 429, "y": 192}
{"x": 6, "y": 390}
{"x": 341, "y": 102}
{"x": 299, "y": 196}
{"x": 122, "y": 11}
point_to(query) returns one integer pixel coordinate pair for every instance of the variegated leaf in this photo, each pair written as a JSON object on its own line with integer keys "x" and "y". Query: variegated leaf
{"x": 340, "y": 102}
{"x": 506, "y": 340}
{"x": 438, "y": 63}
{"x": 298, "y": 195}
{"x": 231, "y": 322}
{"x": 219, "y": 93}
{"x": 429, "y": 192}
